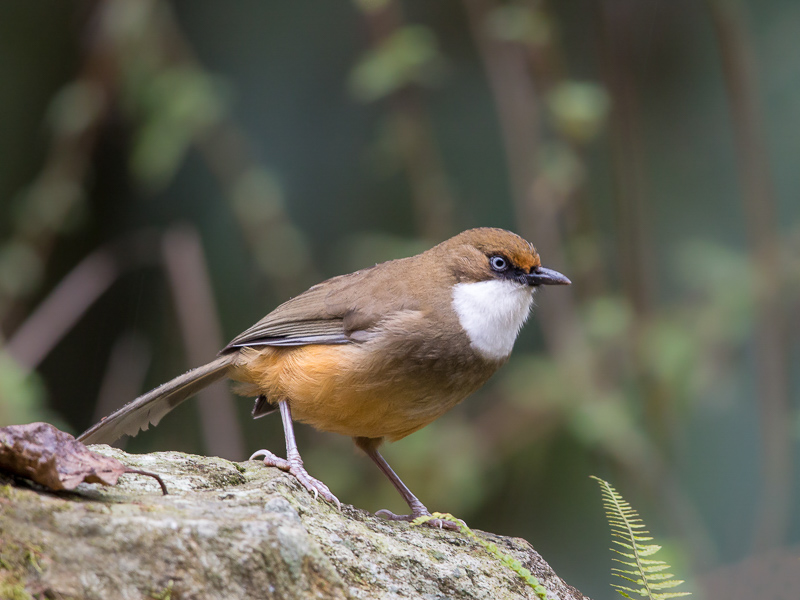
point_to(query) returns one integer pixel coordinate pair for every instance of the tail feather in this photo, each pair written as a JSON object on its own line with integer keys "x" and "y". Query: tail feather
{"x": 149, "y": 408}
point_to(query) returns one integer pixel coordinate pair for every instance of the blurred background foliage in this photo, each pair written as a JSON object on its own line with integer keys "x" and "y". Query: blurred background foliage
{"x": 171, "y": 171}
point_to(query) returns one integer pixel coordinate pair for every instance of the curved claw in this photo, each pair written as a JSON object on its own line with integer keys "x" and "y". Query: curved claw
{"x": 271, "y": 460}
{"x": 440, "y": 523}
{"x": 313, "y": 485}
{"x": 258, "y": 453}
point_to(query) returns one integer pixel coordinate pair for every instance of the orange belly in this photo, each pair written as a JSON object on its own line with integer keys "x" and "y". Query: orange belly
{"x": 340, "y": 388}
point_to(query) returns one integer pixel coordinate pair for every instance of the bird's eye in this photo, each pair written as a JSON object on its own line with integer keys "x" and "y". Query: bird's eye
{"x": 498, "y": 263}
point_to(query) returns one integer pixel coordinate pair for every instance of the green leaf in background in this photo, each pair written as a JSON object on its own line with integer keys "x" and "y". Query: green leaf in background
{"x": 410, "y": 55}
{"x": 579, "y": 109}
{"x": 174, "y": 106}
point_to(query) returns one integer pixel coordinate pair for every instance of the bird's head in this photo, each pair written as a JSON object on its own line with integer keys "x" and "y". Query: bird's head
{"x": 495, "y": 273}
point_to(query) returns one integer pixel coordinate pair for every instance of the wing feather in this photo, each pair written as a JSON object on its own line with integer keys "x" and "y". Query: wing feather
{"x": 338, "y": 311}
{"x": 304, "y": 319}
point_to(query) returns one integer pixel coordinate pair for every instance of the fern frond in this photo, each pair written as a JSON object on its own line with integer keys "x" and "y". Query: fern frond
{"x": 629, "y": 534}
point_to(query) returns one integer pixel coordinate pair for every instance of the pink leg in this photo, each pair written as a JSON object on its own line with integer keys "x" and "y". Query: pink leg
{"x": 293, "y": 464}
{"x": 370, "y": 447}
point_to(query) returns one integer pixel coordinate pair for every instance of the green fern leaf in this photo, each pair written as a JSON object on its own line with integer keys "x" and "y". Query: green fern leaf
{"x": 655, "y": 568}
{"x": 623, "y": 544}
{"x": 659, "y": 576}
{"x": 631, "y": 579}
{"x": 626, "y": 571}
{"x": 629, "y": 533}
{"x": 622, "y": 588}
{"x": 651, "y": 577}
{"x": 665, "y": 585}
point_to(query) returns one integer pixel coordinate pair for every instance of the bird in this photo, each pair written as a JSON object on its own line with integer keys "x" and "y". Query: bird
{"x": 375, "y": 355}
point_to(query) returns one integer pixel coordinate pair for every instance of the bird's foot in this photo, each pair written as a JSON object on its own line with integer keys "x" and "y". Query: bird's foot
{"x": 294, "y": 466}
{"x": 438, "y": 523}
{"x": 271, "y": 460}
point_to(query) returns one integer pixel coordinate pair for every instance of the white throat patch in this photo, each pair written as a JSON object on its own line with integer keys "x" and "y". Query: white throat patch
{"x": 492, "y": 313}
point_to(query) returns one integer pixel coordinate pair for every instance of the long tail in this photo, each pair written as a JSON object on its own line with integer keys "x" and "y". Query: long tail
{"x": 152, "y": 406}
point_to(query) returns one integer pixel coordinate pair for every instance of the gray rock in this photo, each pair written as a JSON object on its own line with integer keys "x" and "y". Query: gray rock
{"x": 230, "y": 530}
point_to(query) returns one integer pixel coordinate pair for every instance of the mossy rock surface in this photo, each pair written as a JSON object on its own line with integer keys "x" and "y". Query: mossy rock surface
{"x": 229, "y": 530}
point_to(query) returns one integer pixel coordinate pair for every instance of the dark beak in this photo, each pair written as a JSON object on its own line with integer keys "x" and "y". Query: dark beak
{"x": 541, "y": 276}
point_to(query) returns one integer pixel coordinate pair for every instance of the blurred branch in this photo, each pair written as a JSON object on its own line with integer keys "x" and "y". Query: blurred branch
{"x": 617, "y": 22}
{"x": 739, "y": 70}
{"x": 408, "y": 119}
{"x": 59, "y": 312}
{"x": 74, "y": 294}
{"x": 136, "y": 48}
{"x": 54, "y": 203}
{"x": 81, "y": 288}
{"x": 202, "y": 337}
{"x": 537, "y": 201}
{"x": 280, "y": 248}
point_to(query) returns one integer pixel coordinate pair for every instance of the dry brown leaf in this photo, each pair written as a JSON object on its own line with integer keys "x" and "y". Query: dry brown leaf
{"x": 57, "y": 460}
